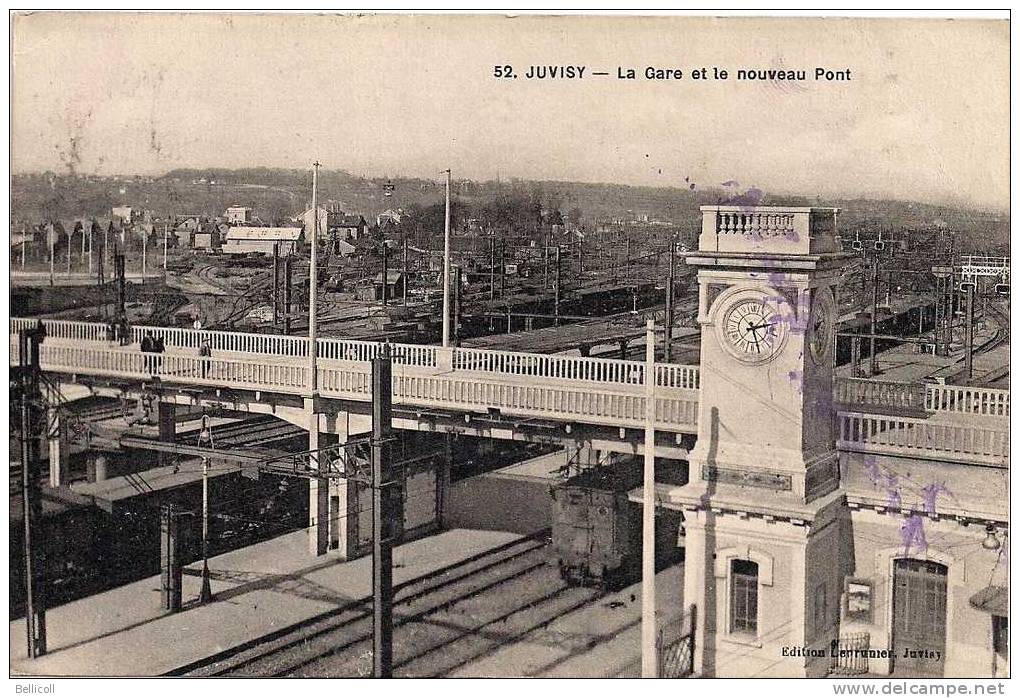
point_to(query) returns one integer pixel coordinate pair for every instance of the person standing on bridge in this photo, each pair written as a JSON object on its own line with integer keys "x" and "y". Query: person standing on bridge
{"x": 204, "y": 352}
{"x": 159, "y": 346}
{"x": 148, "y": 350}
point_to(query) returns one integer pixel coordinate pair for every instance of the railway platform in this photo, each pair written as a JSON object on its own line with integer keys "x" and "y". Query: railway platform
{"x": 258, "y": 590}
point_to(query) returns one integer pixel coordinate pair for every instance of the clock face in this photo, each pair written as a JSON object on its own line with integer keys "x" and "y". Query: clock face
{"x": 753, "y": 329}
{"x": 821, "y": 326}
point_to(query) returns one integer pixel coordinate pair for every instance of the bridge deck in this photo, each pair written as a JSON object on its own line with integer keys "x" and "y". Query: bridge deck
{"x": 931, "y": 421}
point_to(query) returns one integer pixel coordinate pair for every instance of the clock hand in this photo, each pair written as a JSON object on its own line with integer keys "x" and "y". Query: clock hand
{"x": 757, "y": 346}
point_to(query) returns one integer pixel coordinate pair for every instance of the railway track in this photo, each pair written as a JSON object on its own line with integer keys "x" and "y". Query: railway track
{"x": 442, "y": 620}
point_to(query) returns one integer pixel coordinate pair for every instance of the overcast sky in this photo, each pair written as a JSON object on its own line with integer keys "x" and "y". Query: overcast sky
{"x": 925, "y": 115}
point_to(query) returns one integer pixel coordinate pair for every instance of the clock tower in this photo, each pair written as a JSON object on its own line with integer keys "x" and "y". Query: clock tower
{"x": 763, "y": 514}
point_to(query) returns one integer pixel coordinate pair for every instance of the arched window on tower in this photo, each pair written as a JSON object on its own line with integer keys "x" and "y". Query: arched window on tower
{"x": 744, "y": 597}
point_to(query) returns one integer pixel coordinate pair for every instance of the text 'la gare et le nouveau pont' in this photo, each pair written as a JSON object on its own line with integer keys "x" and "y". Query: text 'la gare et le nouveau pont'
{"x": 583, "y": 72}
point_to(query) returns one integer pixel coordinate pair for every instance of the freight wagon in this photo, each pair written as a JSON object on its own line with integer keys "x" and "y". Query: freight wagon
{"x": 596, "y": 530}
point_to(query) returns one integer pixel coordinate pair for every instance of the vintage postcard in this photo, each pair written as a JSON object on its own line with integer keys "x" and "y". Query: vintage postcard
{"x": 478, "y": 345}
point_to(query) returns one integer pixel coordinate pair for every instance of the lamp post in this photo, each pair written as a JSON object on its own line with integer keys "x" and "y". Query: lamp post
{"x": 205, "y": 595}
{"x": 205, "y": 435}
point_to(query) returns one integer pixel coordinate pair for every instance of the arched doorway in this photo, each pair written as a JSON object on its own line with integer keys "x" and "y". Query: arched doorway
{"x": 919, "y": 617}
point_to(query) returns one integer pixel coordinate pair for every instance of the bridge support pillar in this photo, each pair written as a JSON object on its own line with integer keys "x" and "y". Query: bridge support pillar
{"x": 59, "y": 449}
{"x": 167, "y": 431}
{"x": 328, "y": 498}
{"x": 97, "y": 467}
{"x": 318, "y": 491}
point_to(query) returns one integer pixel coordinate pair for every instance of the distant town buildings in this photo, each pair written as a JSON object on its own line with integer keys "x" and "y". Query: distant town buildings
{"x": 125, "y": 213}
{"x": 388, "y": 217}
{"x": 239, "y": 215}
{"x": 261, "y": 240}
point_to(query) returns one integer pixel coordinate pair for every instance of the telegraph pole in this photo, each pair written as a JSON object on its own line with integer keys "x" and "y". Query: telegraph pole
{"x": 502, "y": 268}
{"x": 276, "y": 283}
{"x": 403, "y": 284}
{"x": 446, "y": 267}
{"x": 51, "y": 234}
{"x": 385, "y": 512}
{"x": 385, "y": 272}
{"x": 286, "y": 293}
{"x": 166, "y": 238}
{"x": 313, "y": 282}
{"x": 456, "y": 305}
{"x": 492, "y": 268}
{"x": 873, "y": 359}
{"x": 670, "y": 280}
{"x": 556, "y": 296}
{"x": 968, "y": 337}
{"x": 318, "y": 487}
{"x": 649, "y": 660}
{"x": 120, "y": 271}
{"x": 35, "y": 608}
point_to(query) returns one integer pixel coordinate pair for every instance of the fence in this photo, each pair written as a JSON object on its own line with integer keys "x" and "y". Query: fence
{"x": 849, "y": 655}
{"x": 674, "y": 646}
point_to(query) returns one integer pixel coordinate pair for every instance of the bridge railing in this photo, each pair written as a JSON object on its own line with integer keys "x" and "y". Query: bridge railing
{"x": 64, "y": 329}
{"x": 868, "y": 433}
{"x": 618, "y": 371}
{"x": 919, "y": 397}
{"x": 967, "y": 400}
{"x": 863, "y": 391}
{"x": 412, "y": 386}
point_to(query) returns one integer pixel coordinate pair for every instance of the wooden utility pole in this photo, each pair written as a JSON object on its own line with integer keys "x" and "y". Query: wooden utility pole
{"x": 556, "y": 292}
{"x": 287, "y": 292}
{"x": 403, "y": 283}
{"x": 121, "y": 272}
{"x": 385, "y": 273}
{"x": 276, "y": 283}
{"x": 492, "y": 269}
{"x": 446, "y": 267}
{"x": 385, "y": 513}
{"x": 51, "y": 238}
{"x": 35, "y": 606}
{"x": 545, "y": 276}
{"x": 968, "y": 337}
{"x": 667, "y": 348}
{"x": 313, "y": 290}
{"x": 649, "y": 657}
{"x": 456, "y": 305}
{"x": 873, "y": 359}
{"x": 502, "y": 268}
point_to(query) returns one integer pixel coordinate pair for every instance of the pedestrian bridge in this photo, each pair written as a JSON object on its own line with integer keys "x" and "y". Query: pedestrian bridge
{"x": 958, "y": 424}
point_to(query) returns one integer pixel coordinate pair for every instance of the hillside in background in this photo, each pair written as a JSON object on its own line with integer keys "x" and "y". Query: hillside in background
{"x": 279, "y": 194}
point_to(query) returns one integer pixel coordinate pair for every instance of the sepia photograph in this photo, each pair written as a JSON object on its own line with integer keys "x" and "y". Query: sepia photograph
{"x": 509, "y": 345}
